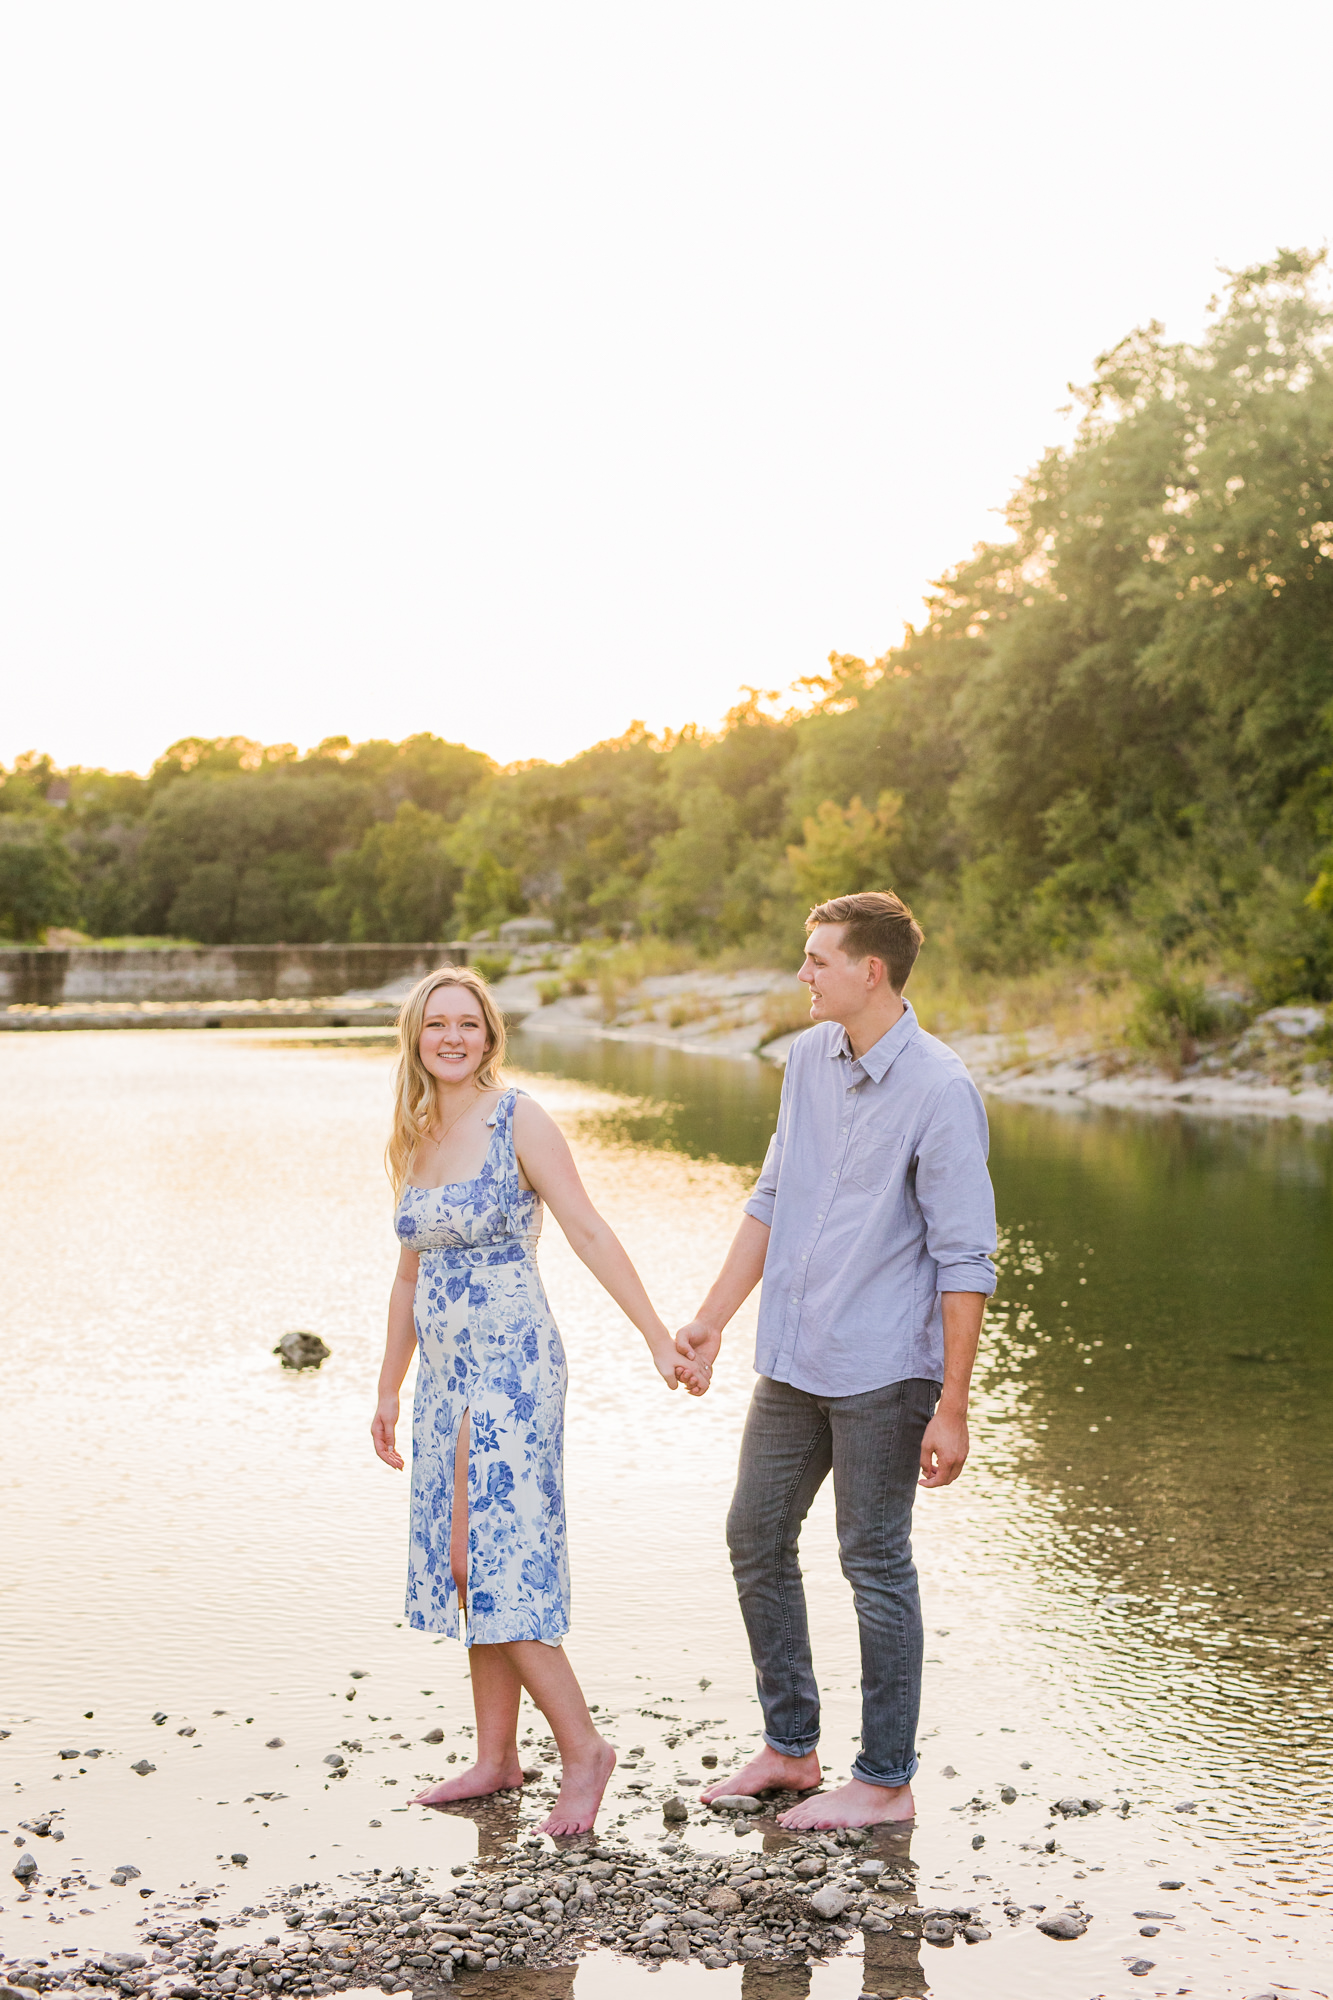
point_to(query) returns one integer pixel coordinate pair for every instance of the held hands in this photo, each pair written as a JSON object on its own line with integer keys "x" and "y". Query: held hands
{"x": 944, "y": 1446}
{"x": 695, "y": 1352}
{"x": 382, "y": 1427}
{"x": 662, "y": 1348}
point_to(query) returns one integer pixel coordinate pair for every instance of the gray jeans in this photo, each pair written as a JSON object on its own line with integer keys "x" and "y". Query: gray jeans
{"x": 871, "y": 1443}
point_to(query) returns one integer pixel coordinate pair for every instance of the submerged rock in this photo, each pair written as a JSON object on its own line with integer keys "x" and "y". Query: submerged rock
{"x": 301, "y": 1350}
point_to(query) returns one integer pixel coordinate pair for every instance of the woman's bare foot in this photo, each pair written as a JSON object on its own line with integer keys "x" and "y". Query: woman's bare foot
{"x": 853, "y": 1804}
{"x": 583, "y": 1779}
{"x": 770, "y": 1771}
{"x": 476, "y": 1783}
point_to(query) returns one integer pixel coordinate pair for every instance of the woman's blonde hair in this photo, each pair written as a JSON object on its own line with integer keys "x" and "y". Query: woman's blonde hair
{"x": 414, "y": 1086}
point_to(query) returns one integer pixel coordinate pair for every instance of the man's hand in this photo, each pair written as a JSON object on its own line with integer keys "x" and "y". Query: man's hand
{"x": 944, "y": 1448}
{"x": 697, "y": 1346}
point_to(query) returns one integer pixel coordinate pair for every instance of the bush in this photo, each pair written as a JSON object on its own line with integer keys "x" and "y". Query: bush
{"x": 492, "y": 965}
{"x": 548, "y": 991}
{"x": 37, "y": 884}
{"x": 1174, "y": 1014}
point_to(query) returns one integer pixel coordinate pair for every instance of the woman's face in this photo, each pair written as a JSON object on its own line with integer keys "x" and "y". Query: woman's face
{"x": 453, "y": 1034}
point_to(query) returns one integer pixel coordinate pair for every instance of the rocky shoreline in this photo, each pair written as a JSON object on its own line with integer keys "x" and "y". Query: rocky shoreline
{"x": 527, "y": 1906}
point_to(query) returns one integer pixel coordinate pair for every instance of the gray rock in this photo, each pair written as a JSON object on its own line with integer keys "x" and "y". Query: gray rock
{"x": 736, "y": 1802}
{"x": 1171, "y": 1883}
{"x": 810, "y": 1865}
{"x": 976, "y": 1933}
{"x": 978, "y": 1840}
{"x": 1008, "y": 1794}
{"x": 335, "y": 1760}
{"x": 1068, "y": 1924}
{"x": 8, "y": 1991}
{"x": 302, "y": 1350}
{"x": 239, "y": 1860}
{"x": 1071, "y": 1808}
{"x": 518, "y": 1898}
{"x": 676, "y": 1810}
{"x": 275, "y": 1743}
{"x": 709, "y": 1760}
{"x": 433, "y": 1736}
{"x": 25, "y": 1868}
{"x": 143, "y": 1767}
{"x": 1156, "y": 1916}
{"x": 829, "y": 1902}
{"x": 938, "y": 1930}
{"x": 1139, "y": 1966}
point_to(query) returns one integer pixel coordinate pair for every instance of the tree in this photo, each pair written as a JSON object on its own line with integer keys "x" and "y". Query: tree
{"x": 845, "y": 848}
{"x": 37, "y": 884}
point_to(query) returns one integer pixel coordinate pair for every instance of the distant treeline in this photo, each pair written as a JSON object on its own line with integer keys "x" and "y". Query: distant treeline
{"x": 1115, "y": 726}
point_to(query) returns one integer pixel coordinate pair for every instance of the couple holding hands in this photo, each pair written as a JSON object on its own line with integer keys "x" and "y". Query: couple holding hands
{"x": 872, "y": 1229}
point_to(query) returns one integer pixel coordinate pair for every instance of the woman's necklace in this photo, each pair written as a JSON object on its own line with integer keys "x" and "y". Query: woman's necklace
{"x": 438, "y": 1143}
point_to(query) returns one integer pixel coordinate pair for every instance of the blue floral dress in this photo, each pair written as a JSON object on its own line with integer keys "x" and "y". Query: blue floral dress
{"x": 486, "y": 1342}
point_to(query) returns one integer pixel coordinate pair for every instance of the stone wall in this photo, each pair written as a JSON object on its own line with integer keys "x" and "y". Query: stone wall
{"x": 46, "y": 977}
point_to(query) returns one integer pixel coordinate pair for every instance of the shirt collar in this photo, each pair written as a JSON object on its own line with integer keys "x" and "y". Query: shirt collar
{"x": 880, "y": 1057}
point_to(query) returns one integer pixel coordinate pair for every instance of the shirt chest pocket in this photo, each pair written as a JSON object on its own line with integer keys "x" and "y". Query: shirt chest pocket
{"x": 873, "y": 1158}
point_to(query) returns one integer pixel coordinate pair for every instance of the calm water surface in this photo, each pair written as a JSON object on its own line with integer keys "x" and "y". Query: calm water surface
{"x": 1126, "y": 1596}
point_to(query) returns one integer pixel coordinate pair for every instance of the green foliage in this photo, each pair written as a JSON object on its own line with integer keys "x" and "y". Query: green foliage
{"x": 845, "y": 848}
{"x": 37, "y": 885}
{"x": 491, "y": 965}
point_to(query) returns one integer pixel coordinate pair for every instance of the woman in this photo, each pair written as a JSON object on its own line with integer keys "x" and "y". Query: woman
{"x": 471, "y": 1165}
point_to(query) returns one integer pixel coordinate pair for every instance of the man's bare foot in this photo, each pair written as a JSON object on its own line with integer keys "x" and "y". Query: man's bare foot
{"x": 582, "y": 1781}
{"x": 770, "y": 1771}
{"x": 476, "y": 1783}
{"x": 853, "y": 1804}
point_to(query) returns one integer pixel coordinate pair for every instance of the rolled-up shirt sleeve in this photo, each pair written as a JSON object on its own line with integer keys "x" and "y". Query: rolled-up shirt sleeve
{"x": 761, "y": 1202}
{"x": 953, "y": 1190}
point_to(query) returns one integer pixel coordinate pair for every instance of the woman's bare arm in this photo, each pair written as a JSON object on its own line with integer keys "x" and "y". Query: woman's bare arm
{"x": 399, "y": 1347}
{"x": 548, "y": 1166}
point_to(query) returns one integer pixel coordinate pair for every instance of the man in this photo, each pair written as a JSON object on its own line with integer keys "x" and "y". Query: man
{"x": 873, "y": 1229}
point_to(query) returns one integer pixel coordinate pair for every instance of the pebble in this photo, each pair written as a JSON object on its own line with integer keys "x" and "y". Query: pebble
{"x": 675, "y": 1809}
{"x": 1138, "y": 1966}
{"x": 143, "y": 1767}
{"x": 740, "y": 1802}
{"x": 25, "y": 1868}
{"x": 829, "y": 1902}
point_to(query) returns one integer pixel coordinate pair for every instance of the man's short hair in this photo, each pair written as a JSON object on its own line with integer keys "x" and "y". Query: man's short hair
{"x": 877, "y": 924}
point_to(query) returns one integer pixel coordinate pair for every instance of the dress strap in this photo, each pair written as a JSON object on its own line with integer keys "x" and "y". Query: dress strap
{"x": 509, "y": 1185}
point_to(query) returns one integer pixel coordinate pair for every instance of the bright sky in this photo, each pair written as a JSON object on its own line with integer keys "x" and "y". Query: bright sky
{"x": 513, "y": 372}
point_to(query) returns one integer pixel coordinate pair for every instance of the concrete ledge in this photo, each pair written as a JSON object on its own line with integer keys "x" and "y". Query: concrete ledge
{"x": 46, "y": 977}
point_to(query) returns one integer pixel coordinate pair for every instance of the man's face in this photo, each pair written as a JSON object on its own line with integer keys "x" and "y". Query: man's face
{"x": 839, "y": 986}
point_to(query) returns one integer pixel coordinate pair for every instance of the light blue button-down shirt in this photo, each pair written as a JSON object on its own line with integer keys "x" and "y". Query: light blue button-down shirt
{"x": 877, "y": 1197}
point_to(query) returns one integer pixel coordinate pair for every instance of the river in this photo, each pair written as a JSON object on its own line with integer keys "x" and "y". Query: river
{"x": 1126, "y": 1595}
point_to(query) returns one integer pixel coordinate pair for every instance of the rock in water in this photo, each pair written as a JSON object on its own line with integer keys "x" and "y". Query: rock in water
{"x": 829, "y": 1902}
{"x": 301, "y": 1350}
{"x": 675, "y": 1809}
{"x": 24, "y": 1868}
{"x": 1069, "y": 1924}
{"x": 737, "y": 1802}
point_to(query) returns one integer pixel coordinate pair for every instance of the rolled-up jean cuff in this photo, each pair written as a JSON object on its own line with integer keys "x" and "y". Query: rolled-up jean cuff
{"x": 869, "y": 1777}
{"x": 801, "y": 1749}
